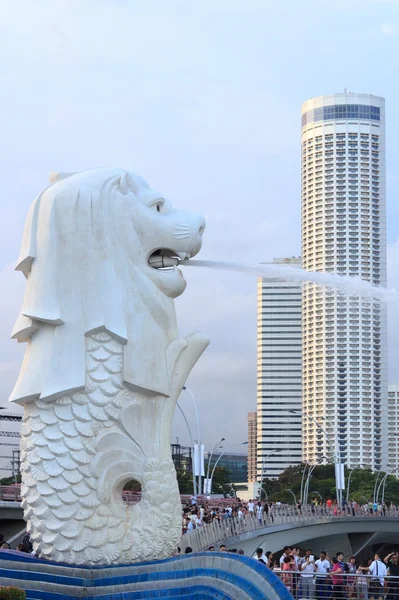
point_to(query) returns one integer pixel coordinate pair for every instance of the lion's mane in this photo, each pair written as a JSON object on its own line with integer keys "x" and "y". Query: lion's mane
{"x": 79, "y": 254}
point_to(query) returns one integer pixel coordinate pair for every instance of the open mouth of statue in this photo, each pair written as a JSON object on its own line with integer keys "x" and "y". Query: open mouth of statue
{"x": 166, "y": 259}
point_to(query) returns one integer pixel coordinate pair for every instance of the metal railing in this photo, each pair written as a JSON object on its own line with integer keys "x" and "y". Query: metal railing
{"x": 221, "y": 529}
{"x": 342, "y": 586}
{"x": 10, "y": 493}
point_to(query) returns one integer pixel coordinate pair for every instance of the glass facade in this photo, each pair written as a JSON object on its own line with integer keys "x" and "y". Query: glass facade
{"x": 235, "y": 464}
{"x": 341, "y": 111}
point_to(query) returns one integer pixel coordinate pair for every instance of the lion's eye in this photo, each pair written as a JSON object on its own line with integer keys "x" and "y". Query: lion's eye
{"x": 158, "y": 204}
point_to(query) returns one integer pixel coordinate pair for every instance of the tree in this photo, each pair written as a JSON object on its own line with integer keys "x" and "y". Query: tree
{"x": 10, "y": 480}
{"x": 220, "y": 482}
{"x": 323, "y": 481}
{"x": 185, "y": 481}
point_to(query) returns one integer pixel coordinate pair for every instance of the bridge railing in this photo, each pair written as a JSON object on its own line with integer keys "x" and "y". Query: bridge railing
{"x": 218, "y": 531}
{"x": 10, "y": 493}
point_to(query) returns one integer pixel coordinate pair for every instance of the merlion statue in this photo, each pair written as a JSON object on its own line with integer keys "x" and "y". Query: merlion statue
{"x": 103, "y": 367}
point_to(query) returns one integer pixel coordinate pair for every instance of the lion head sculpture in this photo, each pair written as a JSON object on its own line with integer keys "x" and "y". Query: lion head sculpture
{"x": 85, "y": 253}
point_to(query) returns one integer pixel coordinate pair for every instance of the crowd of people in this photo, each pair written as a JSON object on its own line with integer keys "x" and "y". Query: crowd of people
{"x": 309, "y": 576}
{"x": 24, "y": 546}
{"x": 334, "y": 578}
{"x": 195, "y": 515}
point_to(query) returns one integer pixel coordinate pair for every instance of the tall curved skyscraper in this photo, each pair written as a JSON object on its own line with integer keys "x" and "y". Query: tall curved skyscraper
{"x": 344, "y": 347}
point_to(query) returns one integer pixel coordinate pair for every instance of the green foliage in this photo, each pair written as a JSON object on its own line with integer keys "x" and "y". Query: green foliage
{"x": 12, "y": 593}
{"x": 185, "y": 481}
{"x": 323, "y": 481}
{"x": 220, "y": 483}
{"x": 132, "y": 486}
{"x": 10, "y": 481}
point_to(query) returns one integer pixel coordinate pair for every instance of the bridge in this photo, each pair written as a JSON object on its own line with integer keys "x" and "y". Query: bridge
{"x": 351, "y": 531}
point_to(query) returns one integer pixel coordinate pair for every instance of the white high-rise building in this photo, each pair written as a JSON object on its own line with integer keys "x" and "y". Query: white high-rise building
{"x": 279, "y": 374}
{"x": 393, "y": 428}
{"x": 344, "y": 352}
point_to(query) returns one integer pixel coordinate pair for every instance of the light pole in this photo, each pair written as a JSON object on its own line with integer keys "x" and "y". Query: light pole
{"x": 319, "y": 495}
{"x": 192, "y": 449}
{"x": 261, "y": 473}
{"x": 217, "y": 446}
{"x": 303, "y": 481}
{"x": 385, "y": 482}
{"x": 382, "y": 483}
{"x": 219, "y": 457}
{"x": 306, "y": 490}
{"x": 349, "y": 480}
{"x": 335, "y": 453}
{"x": 291, "y": 492}
{"x": 186, "y": 389}
{"x": 376, "y": 482}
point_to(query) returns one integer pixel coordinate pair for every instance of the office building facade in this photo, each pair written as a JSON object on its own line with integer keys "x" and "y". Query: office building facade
{"x": 344, "y": 352}
{"x": 393, "y": 428}
{"x": 252, "y": 450}
{"x": 278, "y": 374}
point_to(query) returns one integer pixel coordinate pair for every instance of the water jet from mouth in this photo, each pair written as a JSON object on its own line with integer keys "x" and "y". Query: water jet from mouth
{"x": 345, "y": 285}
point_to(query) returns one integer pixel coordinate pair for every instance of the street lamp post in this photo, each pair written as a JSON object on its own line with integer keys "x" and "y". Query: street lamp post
{"x": 303, "y": 481}
{"x": 376, "y": 483}
{"x": 385, "y": 482}
{"x": 192, "y": 449}
{"x": 335, "y": 453}
{"x": 217, "y": 446}
{"x": 261, "y": 473}
{"x": 349, "y": 480}
{"x": 312, "y": 468}
{"x": 291, "y": 492}
{"x": 319, "y": 495}
{"x": 219, "y": 457}
{"x": 382, "y": 484}
{"x": 186, "y": 389}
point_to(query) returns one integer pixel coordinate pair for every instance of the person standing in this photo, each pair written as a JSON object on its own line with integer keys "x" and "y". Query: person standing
{"x": 337, "y": 579}
{"x": 362, "y": 589}
{"x": 392, "y": 560}
{"x": 378, "y": 573}
{"x": 307, "y": 569}
{"x": 323, "y": 568}
{"x": 350, "y": 580}
{"x": 287, "y": 574}
{"x": 260, "y": 557}
{"x": 286, "y": 552}
{"x": 259, "y": 511}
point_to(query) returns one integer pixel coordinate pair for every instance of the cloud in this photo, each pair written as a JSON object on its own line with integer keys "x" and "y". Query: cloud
{"x": 387, "y": 29}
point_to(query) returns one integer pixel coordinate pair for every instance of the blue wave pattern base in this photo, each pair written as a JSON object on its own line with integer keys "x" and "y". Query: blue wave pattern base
{"x": 201, "y": 576}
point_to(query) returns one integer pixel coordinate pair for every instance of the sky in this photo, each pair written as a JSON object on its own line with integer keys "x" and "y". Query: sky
{"x": 202, "y": 98}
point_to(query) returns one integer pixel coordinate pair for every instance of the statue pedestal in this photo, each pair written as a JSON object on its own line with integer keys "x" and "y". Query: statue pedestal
{"x": 201, "y": 576}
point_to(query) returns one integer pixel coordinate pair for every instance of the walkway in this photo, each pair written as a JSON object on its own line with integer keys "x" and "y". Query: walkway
{"x": 233, "y": 530}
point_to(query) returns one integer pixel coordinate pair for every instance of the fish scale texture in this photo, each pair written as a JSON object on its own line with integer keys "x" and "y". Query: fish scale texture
{"x": 76, "y": 452}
